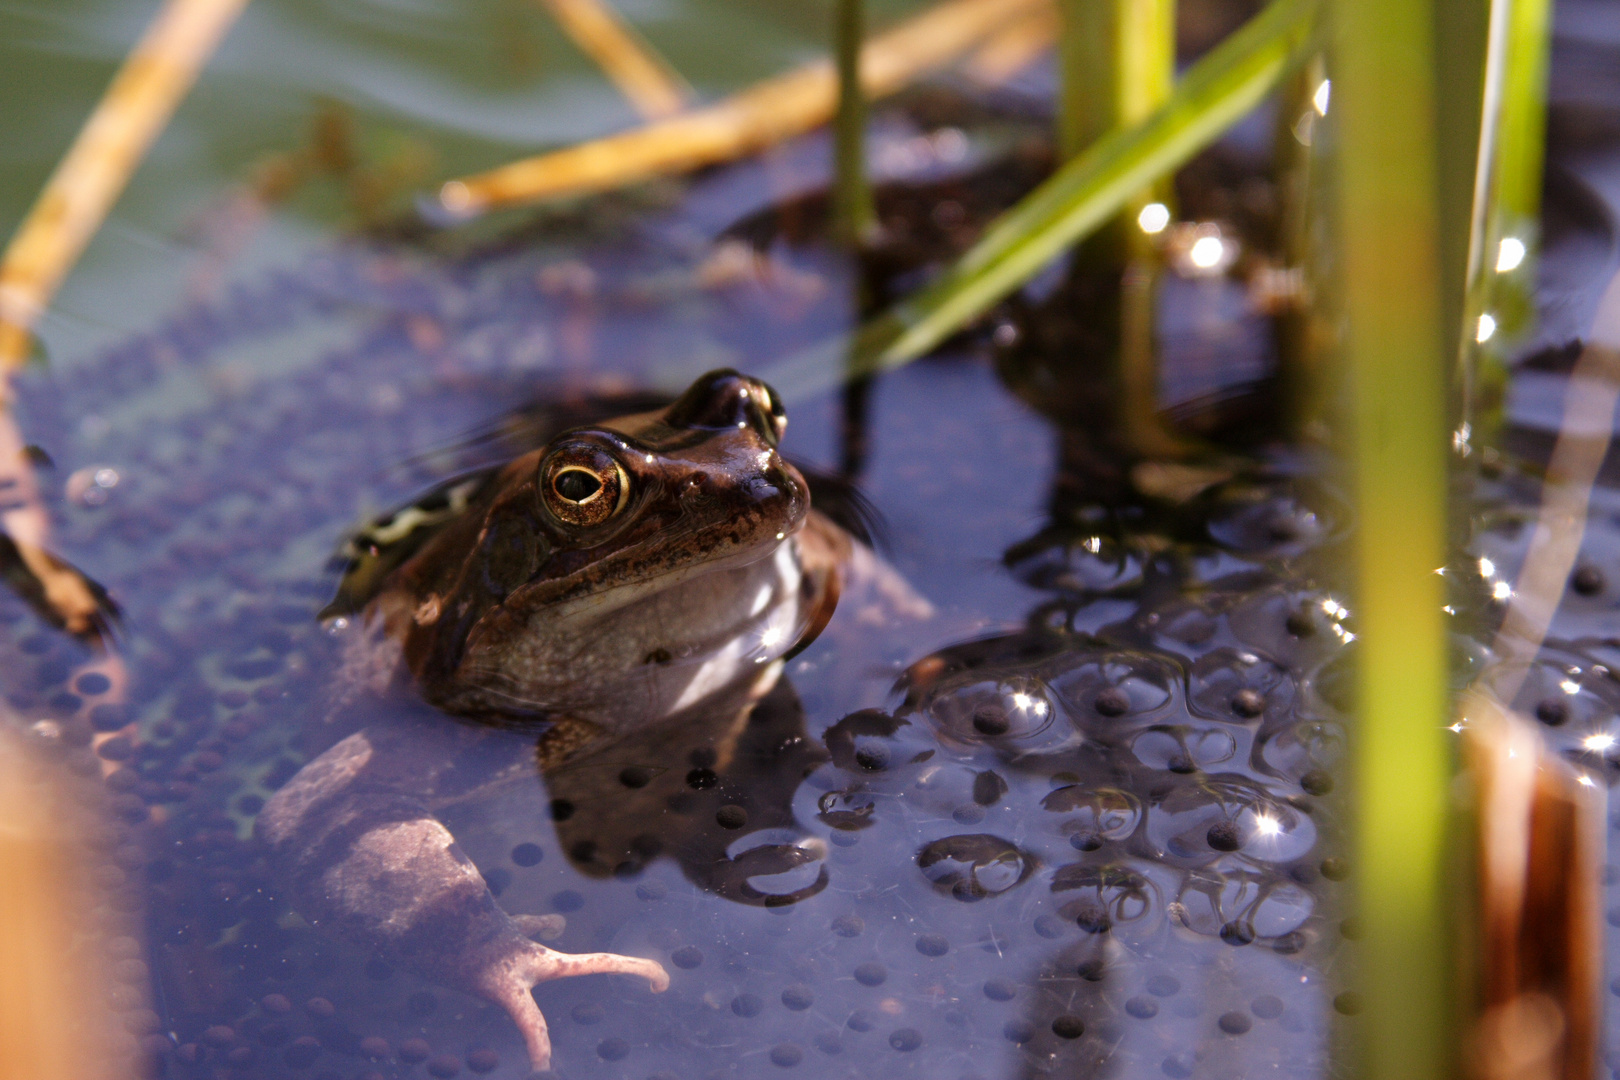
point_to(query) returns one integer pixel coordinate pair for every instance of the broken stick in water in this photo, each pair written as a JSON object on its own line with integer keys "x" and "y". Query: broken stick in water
{"x": 1012, "y": 49}
{"x": 135, "y": 108}
{"x": 766, "y": 113}
{"x": 645, "y": 78}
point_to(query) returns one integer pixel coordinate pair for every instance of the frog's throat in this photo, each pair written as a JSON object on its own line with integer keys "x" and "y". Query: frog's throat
{"x": 603, "y": 602}
{"x": 598, "y": 662}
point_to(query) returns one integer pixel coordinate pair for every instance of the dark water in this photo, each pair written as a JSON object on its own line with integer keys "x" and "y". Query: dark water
{"x": 1084, "y": 822}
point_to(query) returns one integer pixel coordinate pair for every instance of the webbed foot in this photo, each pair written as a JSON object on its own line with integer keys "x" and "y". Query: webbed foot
{"x": 367, "y": 859}
{"x": 508, "y": 980}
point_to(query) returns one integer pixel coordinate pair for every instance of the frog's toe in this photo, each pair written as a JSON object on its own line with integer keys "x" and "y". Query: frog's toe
{"x": 509, "y": 980}
{"x": 556, "y": 965}
{"x": 509, "y": 986}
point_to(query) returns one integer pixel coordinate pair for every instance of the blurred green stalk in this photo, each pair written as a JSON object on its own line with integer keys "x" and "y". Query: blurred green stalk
{"x": 854, "y": 216}
{"x": 1395, "y": 357}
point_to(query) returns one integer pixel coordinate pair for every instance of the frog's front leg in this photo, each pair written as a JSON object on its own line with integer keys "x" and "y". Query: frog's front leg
{"x": 367, "y": 859}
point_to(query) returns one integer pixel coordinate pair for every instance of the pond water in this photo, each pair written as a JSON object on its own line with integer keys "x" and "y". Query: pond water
{"x": 1085, "y": 819}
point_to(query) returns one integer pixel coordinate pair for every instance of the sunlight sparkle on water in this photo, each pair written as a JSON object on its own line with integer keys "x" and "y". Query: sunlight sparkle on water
{"x": 1267, "y": 826}
{"x": 1486, "y": 567}
{"x": 1598, "y": 743}
{"x": 1570, "y": 686}
{"x": 1509, "y": 254}
{"x": 1324, "y": 92}
{"x": 1502, "y": 590}
{"x": 1207, "y": 252}
{"x": 1153, "y": 218}
{"x": 1487, "y": 329}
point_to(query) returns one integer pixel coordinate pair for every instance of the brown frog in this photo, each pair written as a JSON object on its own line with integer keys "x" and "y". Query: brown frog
{"x": 647, "y": 573}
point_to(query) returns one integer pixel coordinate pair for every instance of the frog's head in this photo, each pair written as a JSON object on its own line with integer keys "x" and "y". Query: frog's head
{"x": 620, "y": 572}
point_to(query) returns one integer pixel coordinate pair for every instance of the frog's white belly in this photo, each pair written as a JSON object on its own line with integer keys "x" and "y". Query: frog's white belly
{"x": 775, "y": 619}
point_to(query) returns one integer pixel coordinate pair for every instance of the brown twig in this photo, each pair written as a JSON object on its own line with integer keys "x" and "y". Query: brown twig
{"x": 135, "y": 108}
{"x": 645, "y": 78}
{"x": 765, "y": 113}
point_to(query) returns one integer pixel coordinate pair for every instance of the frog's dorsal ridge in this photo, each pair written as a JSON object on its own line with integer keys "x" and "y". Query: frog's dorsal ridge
{"x": 378, "y": 548}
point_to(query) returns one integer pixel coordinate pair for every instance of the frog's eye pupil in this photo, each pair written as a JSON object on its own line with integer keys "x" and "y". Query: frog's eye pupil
{"x": 583, "y": 485}
{"x": 577, "y": 485}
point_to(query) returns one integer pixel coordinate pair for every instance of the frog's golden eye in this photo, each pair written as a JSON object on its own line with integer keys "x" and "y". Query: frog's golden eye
{"x": 583, "y": 485}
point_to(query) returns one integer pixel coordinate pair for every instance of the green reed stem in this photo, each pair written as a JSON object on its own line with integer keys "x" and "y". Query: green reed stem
{"x": 1522, "y": 132}
{"x": 1383, "y": 101}
{"x": 1118, "y": 61}
{"x": 854, "y": 216}
{"x": 1118, "y": 65}
{"x": 1080, "y": 197}
{"x": 1504, "y": 230}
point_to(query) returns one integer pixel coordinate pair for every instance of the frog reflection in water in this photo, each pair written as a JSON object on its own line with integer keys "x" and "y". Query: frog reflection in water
{"x": 635, "y": 576}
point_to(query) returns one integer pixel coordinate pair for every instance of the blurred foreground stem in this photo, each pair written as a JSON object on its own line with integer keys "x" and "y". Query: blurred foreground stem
{"x": 1395, "y": 360}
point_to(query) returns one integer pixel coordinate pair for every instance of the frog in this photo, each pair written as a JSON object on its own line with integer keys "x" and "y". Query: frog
{"x": 643, "y": 577}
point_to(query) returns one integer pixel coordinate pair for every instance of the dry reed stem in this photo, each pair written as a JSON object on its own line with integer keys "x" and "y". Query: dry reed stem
{"x": 135, "y": 108}
{"x": 645, "y": 78}
{"x": 1583, "y": 442}
{"x": 766, "y": 113}
{"x": 1014, "y": 48}
{"x": 1538, "y": 846}
{"x": 1539, "y": 829}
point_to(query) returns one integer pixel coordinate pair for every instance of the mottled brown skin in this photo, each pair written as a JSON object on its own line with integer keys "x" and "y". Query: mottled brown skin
{"x": 516, "y": 612}
{"x": 665, "y": 594}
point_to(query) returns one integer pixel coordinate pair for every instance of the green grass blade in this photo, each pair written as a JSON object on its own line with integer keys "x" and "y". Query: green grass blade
{"x": 1083, "y": 195}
